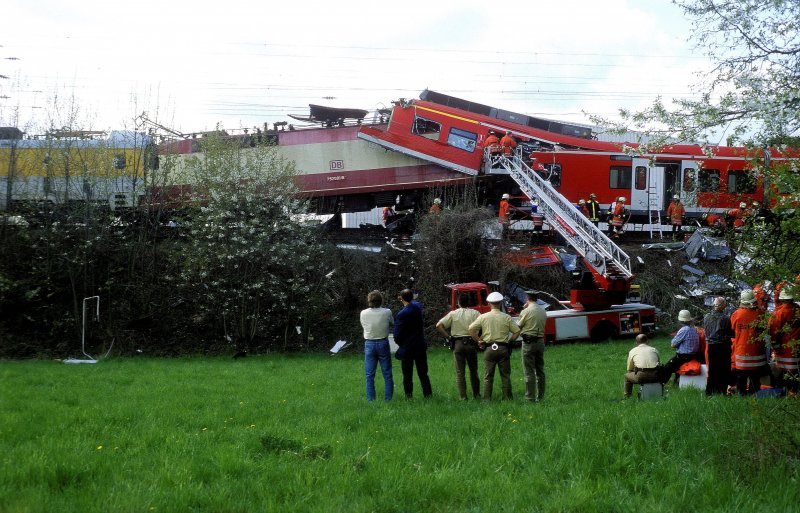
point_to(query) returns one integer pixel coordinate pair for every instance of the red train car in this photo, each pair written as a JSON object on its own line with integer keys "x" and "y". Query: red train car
{"x": 451, "y": 132}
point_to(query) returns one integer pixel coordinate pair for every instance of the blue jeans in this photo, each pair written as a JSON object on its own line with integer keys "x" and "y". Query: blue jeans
{"x": 378, "y": 351}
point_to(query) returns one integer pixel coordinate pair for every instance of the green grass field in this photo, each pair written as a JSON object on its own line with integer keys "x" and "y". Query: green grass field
{"x": 295, "y": 433}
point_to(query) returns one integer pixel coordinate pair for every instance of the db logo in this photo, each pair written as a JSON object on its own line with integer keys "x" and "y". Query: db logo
{"x": 337, "y": 165}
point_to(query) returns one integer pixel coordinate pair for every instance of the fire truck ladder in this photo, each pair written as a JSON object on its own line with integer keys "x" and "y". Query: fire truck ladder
{"x": 654, "y": 211}
{"x": 608, "y": 262}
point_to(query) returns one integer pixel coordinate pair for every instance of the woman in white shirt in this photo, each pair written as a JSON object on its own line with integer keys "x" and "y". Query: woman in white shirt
{"x": 377, "y": 323}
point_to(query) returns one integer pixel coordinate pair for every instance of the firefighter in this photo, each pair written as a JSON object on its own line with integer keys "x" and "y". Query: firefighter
{"x": 749, "y": 351}
{"x": 493, "y": 143}
{"x": 675, "y": 212}
{"x": 436, "y": 207}
{"x": 581, "y": 206}
{"x": 508, "y": 143}
{"x": 388, "y": 216}
{"x": 784, "y": 333}
{"x": 738, "y": 215}
{"x": 503, "y": 211}
{"x": 594, "y": 209}
{"x": 619, "y": 216}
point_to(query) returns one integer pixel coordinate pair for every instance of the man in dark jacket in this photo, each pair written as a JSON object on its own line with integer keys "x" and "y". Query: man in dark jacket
{"x": 409, "y": 335}
{"x": 717, "y": 327}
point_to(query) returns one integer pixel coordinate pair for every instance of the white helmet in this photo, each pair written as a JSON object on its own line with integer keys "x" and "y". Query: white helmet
{"x": 676, "y": 197}
{"x": 747, "y": 298}
{"x": 437, "y": 201}
{"x": 622, "y": 199}
{"x": 506, "y": 196}
{"x": 743, "y": 205}
{"x": 785, "y": 293}
{"x": 494, "y": 297}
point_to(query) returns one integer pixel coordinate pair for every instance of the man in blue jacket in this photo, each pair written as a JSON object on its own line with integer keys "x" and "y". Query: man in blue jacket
{"x": 409, "y": 335}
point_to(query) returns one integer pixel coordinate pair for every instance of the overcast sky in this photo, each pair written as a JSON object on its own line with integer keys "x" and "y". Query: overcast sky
{"x": 191, "y": 65}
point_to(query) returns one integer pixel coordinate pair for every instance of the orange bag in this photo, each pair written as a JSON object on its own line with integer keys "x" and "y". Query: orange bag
{"x": 690, "y": 368}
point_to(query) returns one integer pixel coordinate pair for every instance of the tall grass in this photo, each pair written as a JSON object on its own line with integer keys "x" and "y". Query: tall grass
{"x": 295, "y": 433}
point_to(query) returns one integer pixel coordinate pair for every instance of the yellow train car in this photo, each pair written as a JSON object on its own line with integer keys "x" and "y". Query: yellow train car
{"x": 65, "y": 167}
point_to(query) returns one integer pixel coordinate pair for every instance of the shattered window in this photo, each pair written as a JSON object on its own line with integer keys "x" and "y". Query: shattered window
{"x": 620, "y": 177}
{"x": 462, "y": 139}
{"x": 741, "y": 181}
{"x": 688, "y": 179}
{"x": 426, "y": 128}
{"x": 708, "y": 180}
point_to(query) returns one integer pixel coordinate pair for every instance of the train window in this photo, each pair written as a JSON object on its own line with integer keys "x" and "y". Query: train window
{"x": 620, "y": 177}
{"x": 741, "y": 181}
{"x": 708, "y": 180}
{"x": 462, "y": 139}
{"x": 626, "y": 158}
{"x": 688, "y": 179}
{"x": 426, "y": 128}
{"x": 641, "y": 178}
{"x": 119, "y": 161}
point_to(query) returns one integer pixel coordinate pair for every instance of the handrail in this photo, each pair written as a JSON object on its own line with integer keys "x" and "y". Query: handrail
{"x": 589, "y": 241}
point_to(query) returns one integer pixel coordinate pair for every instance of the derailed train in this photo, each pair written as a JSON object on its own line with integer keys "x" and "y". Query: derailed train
{"x": 434, "y": 142}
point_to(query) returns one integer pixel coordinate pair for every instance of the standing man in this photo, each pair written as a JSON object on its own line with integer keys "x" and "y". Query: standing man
{"x": 686, "y": 343}
{"x": 413, "y": 350}
{"x": 503, "y": 212}
{"x": 594, "y": 209}
{"x": 717, "y": 327}
{"x": 531, "y": 326}
{"x": 388, "y": 216}
{"x": 490, "y": 330}
{"x": 619, "y": 217}
{"x": 436, "y": 208}
{"x": 508, "y": 143}
{"x": 642, "y": 366}
{"x": 784, "y": 332}
{"x": 455, "y": 327}
{"x": 675, "y": 212}
{"x": 493, "y": 144}
{"x": 749, "y": 351}
{"x": 377, "y": 322}
{"x": 581, "y": 206}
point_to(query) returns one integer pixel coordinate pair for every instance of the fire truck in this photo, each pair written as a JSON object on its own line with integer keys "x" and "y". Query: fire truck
{"x": 570, "y": 323}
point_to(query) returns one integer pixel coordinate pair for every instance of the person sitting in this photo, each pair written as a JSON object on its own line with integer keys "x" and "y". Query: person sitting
{"x": 686, "y": 343}
{"x": 642, "y": 367}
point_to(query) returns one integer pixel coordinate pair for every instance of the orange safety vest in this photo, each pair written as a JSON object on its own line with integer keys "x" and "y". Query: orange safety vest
{"x": 619, "y": 215}
{"x": 785, "y": 343}
{"x": 508, "y": 143}
{"x": 435, "y": 209}
{"x": 493, "y": 143}
{"x": 502, "y": 212}
{"x": 749, "y": 351}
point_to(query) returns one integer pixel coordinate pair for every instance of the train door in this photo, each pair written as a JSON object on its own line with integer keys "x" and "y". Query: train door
{"x": 688, "y": 181}
{"x": 647, "y": 188}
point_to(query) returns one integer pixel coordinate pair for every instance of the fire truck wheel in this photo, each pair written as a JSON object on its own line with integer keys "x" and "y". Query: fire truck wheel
{"x": 602, "y": 331}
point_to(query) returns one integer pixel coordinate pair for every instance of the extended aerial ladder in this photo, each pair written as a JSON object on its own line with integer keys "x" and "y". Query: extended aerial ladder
{"x": 610, "y": 268}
